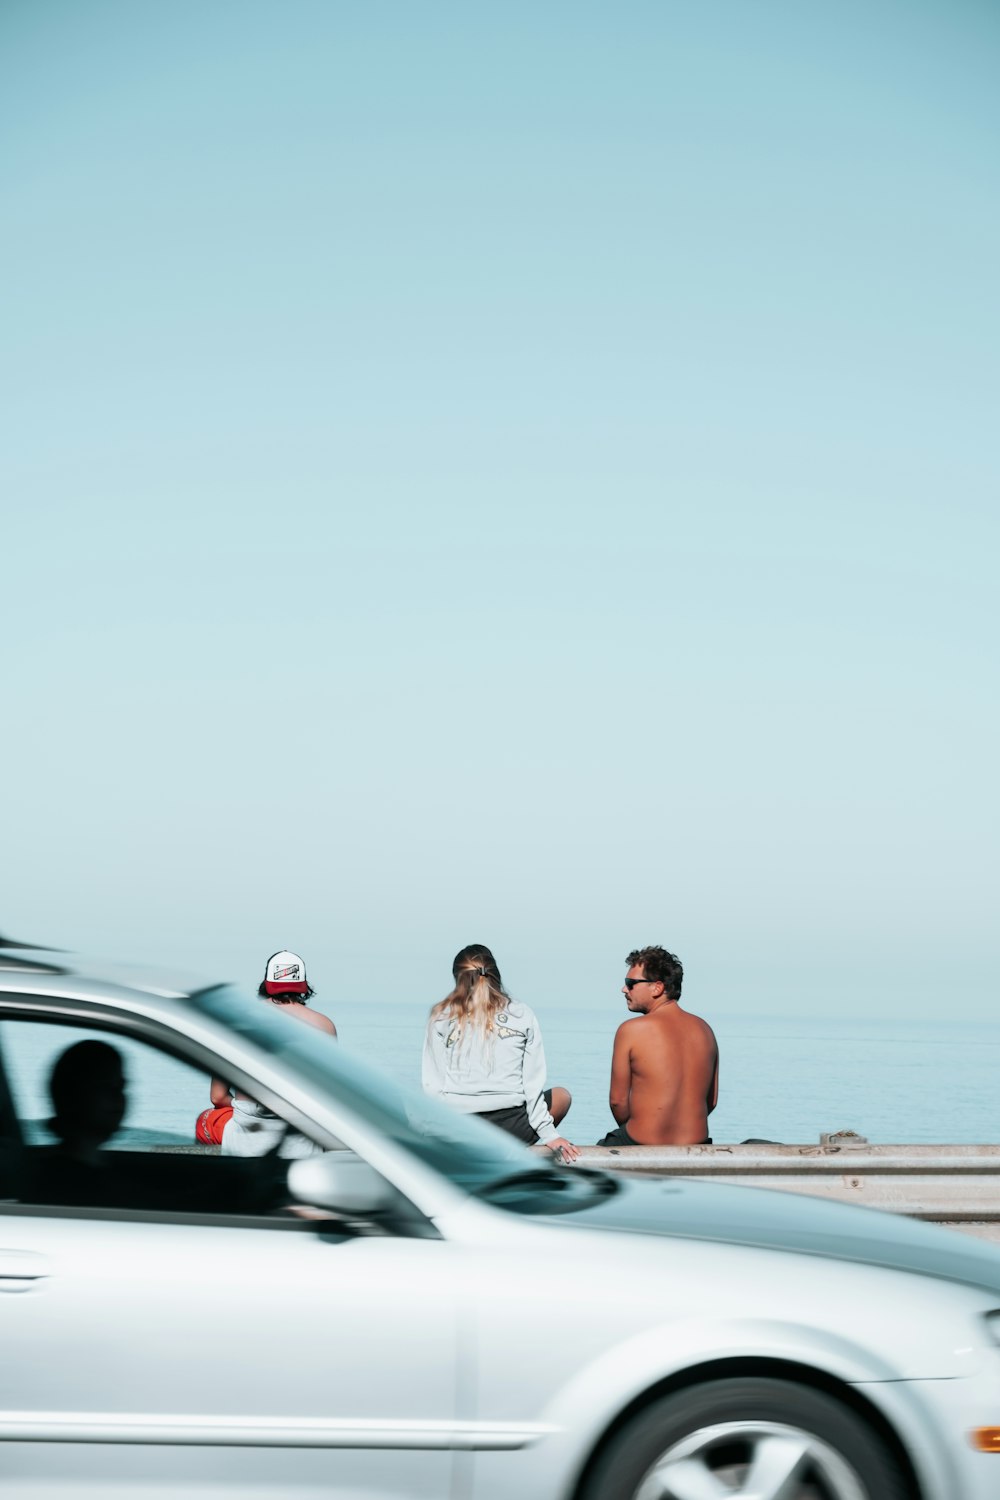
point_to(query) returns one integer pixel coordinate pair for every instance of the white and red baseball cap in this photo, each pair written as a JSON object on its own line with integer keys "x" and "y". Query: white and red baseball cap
{"x": 285, "y": 974}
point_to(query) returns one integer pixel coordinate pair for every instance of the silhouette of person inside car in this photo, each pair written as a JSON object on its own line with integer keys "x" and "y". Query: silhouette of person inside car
{"x": 87, "y": 1086}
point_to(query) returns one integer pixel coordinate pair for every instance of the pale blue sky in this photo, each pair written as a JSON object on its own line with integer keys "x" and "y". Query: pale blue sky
{"x": 524, "y": 474}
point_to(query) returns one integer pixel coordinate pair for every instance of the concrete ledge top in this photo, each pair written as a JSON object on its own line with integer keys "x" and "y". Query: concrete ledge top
{"x": 730, "y": 1160}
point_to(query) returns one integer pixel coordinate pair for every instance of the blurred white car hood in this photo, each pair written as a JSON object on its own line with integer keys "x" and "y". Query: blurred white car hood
{"x": 794, "y": 1222}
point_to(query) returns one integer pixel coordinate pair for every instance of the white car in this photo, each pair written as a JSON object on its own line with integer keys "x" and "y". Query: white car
{"x": 424, "y": 1308}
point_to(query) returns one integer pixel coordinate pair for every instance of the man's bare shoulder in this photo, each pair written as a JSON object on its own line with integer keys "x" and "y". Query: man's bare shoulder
{"x": 699, "y": 1029}
{"x": 322, "y": 1023}
{"x": 314, "y": 1018}
{"x": 640, "y": 1027}
{"x": 674, "y": 1027}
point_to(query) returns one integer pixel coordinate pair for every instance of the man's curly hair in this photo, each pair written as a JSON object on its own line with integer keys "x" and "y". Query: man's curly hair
{"x": 658, "y": 964}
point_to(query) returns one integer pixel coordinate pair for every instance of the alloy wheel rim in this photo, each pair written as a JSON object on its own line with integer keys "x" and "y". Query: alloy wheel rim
{"x": 750, "y": 1461}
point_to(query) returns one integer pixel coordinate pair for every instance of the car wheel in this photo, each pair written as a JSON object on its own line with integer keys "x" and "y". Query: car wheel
{"x": 759, "y": 1439}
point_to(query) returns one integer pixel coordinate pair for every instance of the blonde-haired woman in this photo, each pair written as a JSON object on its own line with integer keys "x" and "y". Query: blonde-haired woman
{"x": 483, "y": 1054}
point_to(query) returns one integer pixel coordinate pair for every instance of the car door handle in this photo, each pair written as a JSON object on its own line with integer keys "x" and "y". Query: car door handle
{"x": 20, "y": 1270}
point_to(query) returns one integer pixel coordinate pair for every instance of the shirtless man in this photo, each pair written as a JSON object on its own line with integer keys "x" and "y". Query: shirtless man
{"x": 665, "y": 1067}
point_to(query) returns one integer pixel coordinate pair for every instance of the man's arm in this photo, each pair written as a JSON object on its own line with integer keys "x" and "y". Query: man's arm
{"x": 713, "y": 1088}
{"x": 621, "y": 1077}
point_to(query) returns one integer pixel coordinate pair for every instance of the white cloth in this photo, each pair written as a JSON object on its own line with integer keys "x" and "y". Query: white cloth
{"x": 254, "y": 1131}
{"x": 496, "y": 1070}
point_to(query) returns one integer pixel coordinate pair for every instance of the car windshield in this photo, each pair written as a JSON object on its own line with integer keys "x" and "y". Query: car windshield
{"x": 475, "y": 1157}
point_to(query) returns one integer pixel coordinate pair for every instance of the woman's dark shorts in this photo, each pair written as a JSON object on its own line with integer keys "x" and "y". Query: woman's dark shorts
{"x": 515, "y": 1120}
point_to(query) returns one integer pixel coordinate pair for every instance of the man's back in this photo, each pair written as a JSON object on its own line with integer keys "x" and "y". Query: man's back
{"x": 672, "y": 1061}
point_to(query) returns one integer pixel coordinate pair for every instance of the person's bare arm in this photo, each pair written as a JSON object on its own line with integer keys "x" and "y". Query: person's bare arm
{"x": 713, "y": 1088}
{"x": 621, "y": 1076}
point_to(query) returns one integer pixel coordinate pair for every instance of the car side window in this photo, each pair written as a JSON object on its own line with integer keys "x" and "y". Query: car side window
{"x": 107, "y": 1121}
{"x": 163, "y": 1095}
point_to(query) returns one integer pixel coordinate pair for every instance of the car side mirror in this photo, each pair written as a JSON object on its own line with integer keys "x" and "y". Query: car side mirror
{"x": 341, "y": 1182}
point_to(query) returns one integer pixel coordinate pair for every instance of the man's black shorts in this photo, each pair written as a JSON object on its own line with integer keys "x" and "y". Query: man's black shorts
{"x": 621, "y": 1137}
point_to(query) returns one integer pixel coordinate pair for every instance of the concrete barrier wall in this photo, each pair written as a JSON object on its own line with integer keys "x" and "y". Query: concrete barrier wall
{"x": 954, "y": 1185}
{"x": 958, "y": 1186}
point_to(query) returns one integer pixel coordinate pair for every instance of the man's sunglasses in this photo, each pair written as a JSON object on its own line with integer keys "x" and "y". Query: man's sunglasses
{"x": 630, "y": 984}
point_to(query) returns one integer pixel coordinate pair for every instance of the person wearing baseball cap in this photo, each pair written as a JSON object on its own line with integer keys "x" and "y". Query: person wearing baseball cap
{"x": 240, "y": 1125}
{"x": 285, "y": 979}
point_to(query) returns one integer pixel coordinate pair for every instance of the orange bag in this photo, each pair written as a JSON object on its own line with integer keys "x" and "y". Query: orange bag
{"x": 211, "y": 1123}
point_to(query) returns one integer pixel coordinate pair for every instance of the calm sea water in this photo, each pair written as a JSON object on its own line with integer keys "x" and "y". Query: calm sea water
{"x": 781, "y": 1079}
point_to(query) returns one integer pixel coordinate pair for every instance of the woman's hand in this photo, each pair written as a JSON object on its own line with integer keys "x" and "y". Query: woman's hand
{"x": 566, "y": 1148}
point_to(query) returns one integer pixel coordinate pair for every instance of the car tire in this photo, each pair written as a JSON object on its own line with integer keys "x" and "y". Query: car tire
{"x": 743, "y": 1437}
